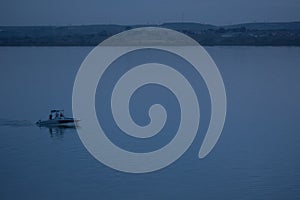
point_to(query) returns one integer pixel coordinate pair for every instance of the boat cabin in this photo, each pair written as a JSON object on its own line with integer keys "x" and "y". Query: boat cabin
{"x": 56, "y": 114}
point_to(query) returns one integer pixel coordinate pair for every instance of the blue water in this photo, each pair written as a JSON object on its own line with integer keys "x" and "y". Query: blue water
{"x": 257, "y": 156}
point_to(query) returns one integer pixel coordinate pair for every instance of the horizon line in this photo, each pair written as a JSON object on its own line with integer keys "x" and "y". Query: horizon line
{"x": 153, "y": 24}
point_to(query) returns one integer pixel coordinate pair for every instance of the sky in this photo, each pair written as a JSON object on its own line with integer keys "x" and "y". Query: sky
{"x": 85, "y": 12}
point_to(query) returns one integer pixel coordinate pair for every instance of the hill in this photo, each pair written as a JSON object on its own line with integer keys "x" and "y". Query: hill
{"x": 259, "y": 34}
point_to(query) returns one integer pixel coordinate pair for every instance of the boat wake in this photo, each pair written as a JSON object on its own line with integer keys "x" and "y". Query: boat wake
{"x": 15, "y": 123}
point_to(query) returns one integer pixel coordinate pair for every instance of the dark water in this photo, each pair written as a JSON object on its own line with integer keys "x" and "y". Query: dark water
{"x": 257, "y": 156}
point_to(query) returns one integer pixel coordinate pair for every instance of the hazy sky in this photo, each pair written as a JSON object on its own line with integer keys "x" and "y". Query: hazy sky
{"x": 67, "y": 12}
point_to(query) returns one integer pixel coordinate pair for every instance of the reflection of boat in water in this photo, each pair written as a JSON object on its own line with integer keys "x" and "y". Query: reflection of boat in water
{"x": 59, "y": 131}
{"x": 57, "y": 119}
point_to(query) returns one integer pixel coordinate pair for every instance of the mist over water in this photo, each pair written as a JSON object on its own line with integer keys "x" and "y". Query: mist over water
{"x": 257, "y": 156}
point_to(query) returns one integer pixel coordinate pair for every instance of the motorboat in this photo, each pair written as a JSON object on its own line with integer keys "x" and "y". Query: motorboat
{"x": 57, "y": 119}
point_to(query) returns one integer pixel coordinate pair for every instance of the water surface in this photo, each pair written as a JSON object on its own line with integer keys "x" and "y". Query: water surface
{"x": 257, "y": 156}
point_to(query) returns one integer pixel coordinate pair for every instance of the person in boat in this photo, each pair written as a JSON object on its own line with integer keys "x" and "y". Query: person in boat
{"x": 61, "y": 115}
{"x": 50, "y": 116}
{"x": 56, "y": 115}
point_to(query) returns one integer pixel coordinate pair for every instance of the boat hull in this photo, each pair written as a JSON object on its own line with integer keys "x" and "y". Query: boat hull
{"x": 58, "y": 123}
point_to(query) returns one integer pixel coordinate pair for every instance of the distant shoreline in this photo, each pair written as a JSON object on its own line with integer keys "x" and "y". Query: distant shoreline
{"x": 249, "y": 34}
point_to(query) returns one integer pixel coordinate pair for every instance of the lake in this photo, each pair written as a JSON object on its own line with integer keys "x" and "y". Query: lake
{"x": 256, "y": 157}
